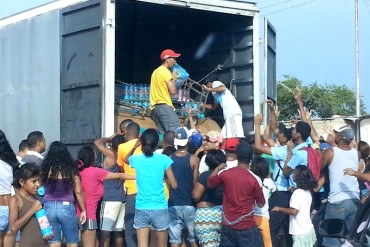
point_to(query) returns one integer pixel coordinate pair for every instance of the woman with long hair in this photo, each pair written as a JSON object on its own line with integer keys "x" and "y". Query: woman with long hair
{"x": 8, "y": 162}
{"x": 61, "y": 180}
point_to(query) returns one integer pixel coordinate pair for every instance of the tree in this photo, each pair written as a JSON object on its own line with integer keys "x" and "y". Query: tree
{"x": 325, "y": 100}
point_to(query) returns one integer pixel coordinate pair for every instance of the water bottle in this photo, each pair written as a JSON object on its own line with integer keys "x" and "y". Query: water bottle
{"x": 45, "y": 227}
{"x": 179, "y": 94}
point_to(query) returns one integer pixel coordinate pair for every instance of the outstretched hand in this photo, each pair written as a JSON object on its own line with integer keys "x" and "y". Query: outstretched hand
{"x": 297, "y": 94}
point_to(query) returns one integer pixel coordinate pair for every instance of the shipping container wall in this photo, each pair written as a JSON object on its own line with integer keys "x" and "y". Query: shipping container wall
{"x": 29, "y": 78}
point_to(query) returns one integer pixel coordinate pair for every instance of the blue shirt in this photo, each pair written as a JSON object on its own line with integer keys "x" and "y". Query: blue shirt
{"x": 149, "y": 180}
{"x": 280, "y": 154}
{"x": 299, "y": 157}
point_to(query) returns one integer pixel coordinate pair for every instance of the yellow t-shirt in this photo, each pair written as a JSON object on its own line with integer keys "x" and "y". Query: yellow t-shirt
{"x": 159, "y": 93}
{"x": 123, "y": 150}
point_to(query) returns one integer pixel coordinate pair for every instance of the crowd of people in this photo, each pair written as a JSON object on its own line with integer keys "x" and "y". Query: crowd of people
{"x": 199, "y": 189}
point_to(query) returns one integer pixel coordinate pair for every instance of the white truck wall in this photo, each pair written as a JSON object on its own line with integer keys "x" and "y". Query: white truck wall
{"x": 30, "y": 78}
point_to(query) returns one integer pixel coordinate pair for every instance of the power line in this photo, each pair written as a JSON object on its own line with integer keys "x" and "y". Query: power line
{"x": 272, "y": 5}
{"x": 368, "y": 11}
{"x": 291, "y": 7}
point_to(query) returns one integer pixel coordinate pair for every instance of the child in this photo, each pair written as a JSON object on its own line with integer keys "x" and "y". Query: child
{"x": 260, "y": 167}
{"x": 92, "y": 184}
{"x": 151, "y": 209}
{"x": 300, "y": 224}
{"x": 25, "y": 204}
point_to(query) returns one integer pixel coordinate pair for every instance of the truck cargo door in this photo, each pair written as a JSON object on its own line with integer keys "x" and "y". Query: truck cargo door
{"x": 270, "y": 64}
{"x": 82, "y": 74}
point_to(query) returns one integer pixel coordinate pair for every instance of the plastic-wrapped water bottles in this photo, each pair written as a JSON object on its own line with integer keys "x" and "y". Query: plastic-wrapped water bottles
{"x": 44, "y": 224}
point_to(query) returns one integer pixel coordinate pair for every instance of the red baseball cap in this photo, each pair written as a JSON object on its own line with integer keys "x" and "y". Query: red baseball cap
{"x": 169, "y": 53}
{"x": 231, "y": 144}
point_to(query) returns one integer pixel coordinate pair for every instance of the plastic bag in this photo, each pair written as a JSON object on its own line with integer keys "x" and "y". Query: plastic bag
{"x": 183, "y": 75}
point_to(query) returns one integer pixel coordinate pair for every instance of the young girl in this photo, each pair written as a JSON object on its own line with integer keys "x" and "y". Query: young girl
{"x": 151, "y": 209}
{"x": 25, "y": 204}
{"x": 300, "y": 224}
{"x": 92, "y": 184}
{"x": 260, "y": 167}
{"x": 8, "y": 162}
{"x": 61, "y": 181}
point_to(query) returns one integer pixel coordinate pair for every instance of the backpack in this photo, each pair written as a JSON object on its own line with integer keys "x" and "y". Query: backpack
{"x": 313, "y": 161}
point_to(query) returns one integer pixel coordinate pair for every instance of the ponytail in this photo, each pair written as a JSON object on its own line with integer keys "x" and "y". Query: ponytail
{"x": 149, "y": 141}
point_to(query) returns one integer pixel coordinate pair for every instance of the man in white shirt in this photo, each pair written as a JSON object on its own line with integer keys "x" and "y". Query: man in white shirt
{"x": 232, "y": 112}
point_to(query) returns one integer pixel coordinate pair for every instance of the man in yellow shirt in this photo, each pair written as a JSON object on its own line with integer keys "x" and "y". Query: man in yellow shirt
{"x": 132, "y": 136}
{"x": 162, "y": 86}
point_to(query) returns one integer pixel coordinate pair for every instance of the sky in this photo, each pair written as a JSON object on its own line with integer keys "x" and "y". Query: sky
{"x": 315, "y": 39}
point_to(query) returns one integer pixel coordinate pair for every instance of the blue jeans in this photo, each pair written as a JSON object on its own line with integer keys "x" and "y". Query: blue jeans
{"x": 62, "y": 218}
{"x": 345, "y": 210}
{"x": 250, "y": 237}
{"x": 181, "y": 217}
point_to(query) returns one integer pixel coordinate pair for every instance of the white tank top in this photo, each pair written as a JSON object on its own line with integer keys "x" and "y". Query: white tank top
{"x": 6, "y": 178}
{"x": 343, "y": 187}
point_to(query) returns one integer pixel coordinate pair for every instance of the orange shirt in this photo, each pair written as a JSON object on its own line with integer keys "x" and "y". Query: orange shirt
{"x": 123, "y": 150}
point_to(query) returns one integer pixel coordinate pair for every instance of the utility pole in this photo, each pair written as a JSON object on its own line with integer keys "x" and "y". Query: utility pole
{"x": 357, "y": 65}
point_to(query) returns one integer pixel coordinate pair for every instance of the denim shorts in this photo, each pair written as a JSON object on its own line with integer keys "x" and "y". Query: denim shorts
{"x": 181, "y": 217}
{"x": 4, "y": 218}
{"x": 62, "y": 218}
{"x": 158, "y": 219}
{"x": 345, "y": 210}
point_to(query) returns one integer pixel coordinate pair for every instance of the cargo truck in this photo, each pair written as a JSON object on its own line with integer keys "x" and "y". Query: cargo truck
{"x": 59, "y": 64}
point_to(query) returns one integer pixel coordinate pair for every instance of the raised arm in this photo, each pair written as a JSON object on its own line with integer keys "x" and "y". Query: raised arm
{"x": 273, "y": 119}
{"x": 137, "y": 144}
{"x": 287, "y": 170}
{"x": 257, "y": 136}
{"x": 298, "y": 99}
{"x": 100, "y": 144}
{"x": 171, "y": 84}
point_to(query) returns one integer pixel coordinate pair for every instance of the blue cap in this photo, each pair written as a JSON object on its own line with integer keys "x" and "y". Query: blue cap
{"x": 323, "y": 146}
{"x": 196, "y": 140}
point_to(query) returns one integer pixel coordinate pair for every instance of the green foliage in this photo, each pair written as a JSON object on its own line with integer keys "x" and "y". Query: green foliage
{"x": 325, "y": 100}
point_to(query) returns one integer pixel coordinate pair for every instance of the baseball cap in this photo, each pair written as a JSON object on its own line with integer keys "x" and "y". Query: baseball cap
{"x": 323, "y": 146}
{"x": 231, "y": 144}
{"x": 214, "y": 136}
{"x": 181, "y": 136}
{"x": 286, "y": 131}
{"x": 196, "y": 140}
{"x": 346, "y": 132}
{"x": 169, "y": 53}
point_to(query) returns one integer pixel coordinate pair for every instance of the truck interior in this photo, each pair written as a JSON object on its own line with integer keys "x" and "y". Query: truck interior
{"x": 204, "y": 38}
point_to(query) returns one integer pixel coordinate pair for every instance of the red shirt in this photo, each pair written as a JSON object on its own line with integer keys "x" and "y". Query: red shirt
{"x": 241, "y": 190}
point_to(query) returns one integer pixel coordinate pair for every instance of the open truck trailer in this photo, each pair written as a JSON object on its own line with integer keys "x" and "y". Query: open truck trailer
{"x": 60, "y": 66}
